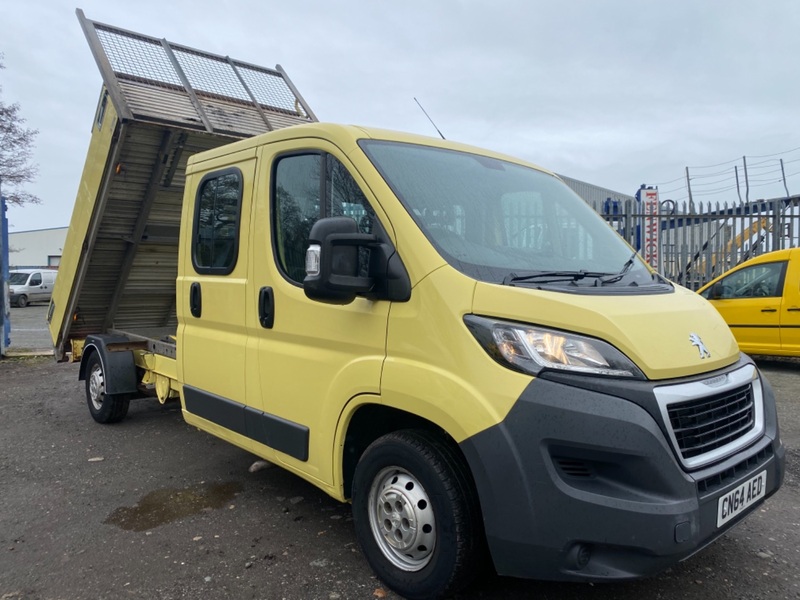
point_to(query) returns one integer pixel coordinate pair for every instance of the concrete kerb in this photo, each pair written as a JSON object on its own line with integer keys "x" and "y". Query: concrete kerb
{"x": 25, "y": 353}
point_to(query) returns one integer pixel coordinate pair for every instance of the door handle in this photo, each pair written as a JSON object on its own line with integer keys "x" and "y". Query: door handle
{"x": 793, "y": 309}
{"x": 769, "y": 310}
{"x": 195, "y": 300}
{"x": 266, "y": 307}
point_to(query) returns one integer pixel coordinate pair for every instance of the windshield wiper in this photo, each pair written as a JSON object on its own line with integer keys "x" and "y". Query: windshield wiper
{"x": 625, "y": 268}
{"x": 551, "y": 276}
{"x": 570, "y": 276}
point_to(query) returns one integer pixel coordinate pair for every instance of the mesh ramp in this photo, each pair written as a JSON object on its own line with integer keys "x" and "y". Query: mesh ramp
{"x": 155, "y": 80}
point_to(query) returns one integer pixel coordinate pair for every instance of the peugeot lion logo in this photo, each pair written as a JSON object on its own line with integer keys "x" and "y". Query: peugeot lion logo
{"x": 696, "y": 341}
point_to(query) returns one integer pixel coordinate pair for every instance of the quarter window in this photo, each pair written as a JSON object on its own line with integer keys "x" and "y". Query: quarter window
{"x": 216, "y": 224}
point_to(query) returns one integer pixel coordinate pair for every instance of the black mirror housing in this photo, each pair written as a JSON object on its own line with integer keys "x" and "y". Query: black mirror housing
{"x": 332, "y": 261}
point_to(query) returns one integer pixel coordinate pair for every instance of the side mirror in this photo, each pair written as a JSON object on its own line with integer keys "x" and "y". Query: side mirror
{"x": 717, "y": 291}
{"x": 332, "y": 261}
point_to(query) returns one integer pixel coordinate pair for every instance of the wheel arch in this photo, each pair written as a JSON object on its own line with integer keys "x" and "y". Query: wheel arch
{"x": 118, "y": 365}
{"x": 369, "y": 421}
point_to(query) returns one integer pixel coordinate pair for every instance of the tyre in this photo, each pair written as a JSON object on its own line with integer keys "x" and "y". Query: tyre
{"x": 416, "y": 514}
{"x": 22, "y": 301}
{"x": 104, "y": 408}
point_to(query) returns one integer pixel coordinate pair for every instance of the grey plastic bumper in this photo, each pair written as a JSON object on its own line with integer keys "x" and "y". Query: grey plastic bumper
{"x": 576, "y": 484}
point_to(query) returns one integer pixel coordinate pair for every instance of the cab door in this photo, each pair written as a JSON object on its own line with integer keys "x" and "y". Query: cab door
{"x": 310, "y": 358}
{"x": 749, "y": 299}
{"x": 48, "y": 281}
{"x": 36, "y": 287}
{"x": 790, "y": 307}
{"x": 211, "y": 296}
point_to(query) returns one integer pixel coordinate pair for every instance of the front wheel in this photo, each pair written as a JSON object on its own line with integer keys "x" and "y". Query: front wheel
{"x": 104, "y": 408}
{"x": 416, "y": 514}
{"x": 22, "y": 301}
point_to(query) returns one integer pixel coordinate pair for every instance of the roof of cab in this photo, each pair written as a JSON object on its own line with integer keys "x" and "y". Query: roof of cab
{"x": 346, "y": 137}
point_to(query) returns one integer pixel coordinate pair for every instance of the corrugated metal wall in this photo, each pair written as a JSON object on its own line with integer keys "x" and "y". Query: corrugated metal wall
{"x": 594, "y": 194}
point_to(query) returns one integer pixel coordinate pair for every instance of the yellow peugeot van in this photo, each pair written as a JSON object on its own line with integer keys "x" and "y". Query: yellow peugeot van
{"x": 453, "y": 341}
{"x": 457, "y": 343}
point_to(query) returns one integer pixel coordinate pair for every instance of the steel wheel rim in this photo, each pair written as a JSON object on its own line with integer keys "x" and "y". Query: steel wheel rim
{"x": 97, "y": 387}
{"x": 402, "y": 519}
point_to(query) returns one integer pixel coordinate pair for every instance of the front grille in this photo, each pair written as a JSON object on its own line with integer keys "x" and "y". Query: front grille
{"x": 708, "y": 420}
{"x": 705, "y": 424}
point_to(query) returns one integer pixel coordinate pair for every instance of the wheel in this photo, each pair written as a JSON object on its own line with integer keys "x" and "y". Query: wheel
{"x": 22, "y": 301}
{"x": 416, "y": 514}
{"x": 104, "y": 408}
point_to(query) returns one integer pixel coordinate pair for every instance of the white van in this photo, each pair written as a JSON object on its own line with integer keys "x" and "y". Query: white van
{"x": 30, "y": 285}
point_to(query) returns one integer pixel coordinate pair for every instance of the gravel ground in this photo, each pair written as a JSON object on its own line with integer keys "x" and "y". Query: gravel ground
{"x": 153, "y": 509}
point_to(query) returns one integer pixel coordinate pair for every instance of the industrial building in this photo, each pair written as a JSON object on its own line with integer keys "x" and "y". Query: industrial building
{"x": 38, "y": 248}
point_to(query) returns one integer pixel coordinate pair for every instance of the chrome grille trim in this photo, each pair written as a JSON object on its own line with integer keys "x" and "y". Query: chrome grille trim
{"x": 728, "y": 391}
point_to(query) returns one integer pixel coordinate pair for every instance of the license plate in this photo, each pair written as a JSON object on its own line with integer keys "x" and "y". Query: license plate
{"x": 737, "y": 500}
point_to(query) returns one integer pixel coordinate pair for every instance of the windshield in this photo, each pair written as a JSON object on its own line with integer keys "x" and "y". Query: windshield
{"x": 18, "y": 278}
{"x": 501, "y": 222}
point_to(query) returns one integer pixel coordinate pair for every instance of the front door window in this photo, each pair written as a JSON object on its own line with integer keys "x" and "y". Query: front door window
{"x": 309, "y": 187}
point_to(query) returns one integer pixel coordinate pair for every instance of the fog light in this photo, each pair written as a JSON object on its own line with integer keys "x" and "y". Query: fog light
{"x": 580, "y": 555}
{"x": 584, "y": 556}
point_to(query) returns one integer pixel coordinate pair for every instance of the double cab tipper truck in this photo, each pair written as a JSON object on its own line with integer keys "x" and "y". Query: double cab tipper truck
{"x": 448, "y": 338}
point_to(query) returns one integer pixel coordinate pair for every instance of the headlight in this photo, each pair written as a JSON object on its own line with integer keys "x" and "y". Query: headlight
{"x": 531, "y": 349}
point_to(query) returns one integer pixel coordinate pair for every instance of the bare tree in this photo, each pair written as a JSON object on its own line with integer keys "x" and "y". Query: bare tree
{"x": 16, "y": 149}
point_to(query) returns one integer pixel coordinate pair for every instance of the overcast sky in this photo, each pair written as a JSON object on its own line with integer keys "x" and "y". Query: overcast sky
{"x": 616, "y": 93}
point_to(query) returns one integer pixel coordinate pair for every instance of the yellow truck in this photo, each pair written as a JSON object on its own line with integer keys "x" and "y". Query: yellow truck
{"x": 448, "y": 338}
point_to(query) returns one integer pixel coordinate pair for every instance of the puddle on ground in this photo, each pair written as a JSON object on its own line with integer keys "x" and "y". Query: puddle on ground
{"x": 165, "y": 506}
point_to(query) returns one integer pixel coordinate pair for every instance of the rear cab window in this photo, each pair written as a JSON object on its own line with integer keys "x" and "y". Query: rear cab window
{"x": 217, "y": 217}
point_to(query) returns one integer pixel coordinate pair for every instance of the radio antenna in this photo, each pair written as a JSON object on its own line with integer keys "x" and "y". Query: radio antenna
{"x": 429, "y": 118}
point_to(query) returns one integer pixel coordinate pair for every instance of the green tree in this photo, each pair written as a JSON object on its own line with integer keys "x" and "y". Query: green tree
{"x": 16, "y": 150}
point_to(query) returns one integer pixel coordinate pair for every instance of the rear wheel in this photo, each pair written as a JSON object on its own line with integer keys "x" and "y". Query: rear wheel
{"x": 22, "y": 301}
{"x": 416, "y": 514}
{"x": 104, "y": 408}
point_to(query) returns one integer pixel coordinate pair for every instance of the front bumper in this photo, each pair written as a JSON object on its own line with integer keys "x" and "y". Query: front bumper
{"x": 578, "y": 483}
